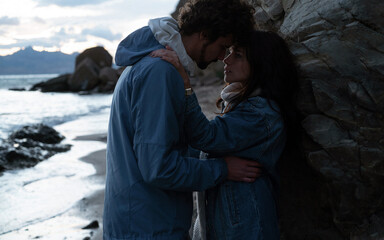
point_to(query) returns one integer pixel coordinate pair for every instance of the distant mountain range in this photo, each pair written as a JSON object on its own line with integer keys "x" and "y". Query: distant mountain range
{"x": 29, "y": 61}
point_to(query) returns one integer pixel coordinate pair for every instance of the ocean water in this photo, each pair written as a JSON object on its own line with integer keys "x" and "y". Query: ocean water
{"x": 18, "y": 108}
{"x": 34, "y": 198}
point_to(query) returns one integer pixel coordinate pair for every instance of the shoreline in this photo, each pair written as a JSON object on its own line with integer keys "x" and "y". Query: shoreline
{"x": 72, "y": 222}
{"x": 91, "y": 207}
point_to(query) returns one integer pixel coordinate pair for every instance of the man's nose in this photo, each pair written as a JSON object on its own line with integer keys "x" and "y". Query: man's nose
{"x": 222, "y": 56}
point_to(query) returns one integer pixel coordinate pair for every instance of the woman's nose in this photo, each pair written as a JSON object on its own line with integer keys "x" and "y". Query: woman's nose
{"x": 226, "y": 59}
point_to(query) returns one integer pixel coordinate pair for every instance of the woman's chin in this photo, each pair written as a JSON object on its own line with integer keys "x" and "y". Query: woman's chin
{"x": 229, "y": 80}
{"x": 226, "y": 79}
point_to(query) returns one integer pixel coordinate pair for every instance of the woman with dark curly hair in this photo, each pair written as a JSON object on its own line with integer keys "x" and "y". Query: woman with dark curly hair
{"x": 258, "y": 122}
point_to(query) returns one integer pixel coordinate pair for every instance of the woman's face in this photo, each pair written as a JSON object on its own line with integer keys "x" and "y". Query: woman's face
{"x": 237, "y": 68}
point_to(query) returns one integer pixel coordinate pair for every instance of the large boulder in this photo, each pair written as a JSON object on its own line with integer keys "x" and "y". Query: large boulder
{"x": 93, "y": 69}
{"x": 85, "y": 77}
{"x": 99, "y": 55}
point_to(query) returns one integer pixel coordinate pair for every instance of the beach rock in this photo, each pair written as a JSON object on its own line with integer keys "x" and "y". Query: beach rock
{"x": 17, "y": 89}
{"x": 57, "y": 84}
{"x": 335, "y": 191}
{"x": 30, "y": 145}
{"x": 94, "y": 224}
{"x": 99, "y": 56}
{"x": 85, "y": 76}
{"x": 38, "y": 132}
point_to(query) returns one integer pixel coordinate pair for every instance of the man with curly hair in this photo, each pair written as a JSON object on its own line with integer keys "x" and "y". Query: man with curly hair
{"x": 150, "y": 177}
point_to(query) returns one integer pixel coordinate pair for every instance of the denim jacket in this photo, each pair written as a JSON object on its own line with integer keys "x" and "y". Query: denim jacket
{"x": 253, "y": 130}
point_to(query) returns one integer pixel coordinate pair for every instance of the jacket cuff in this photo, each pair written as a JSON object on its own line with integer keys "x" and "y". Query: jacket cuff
{"x": 191, "y": 103}
{"x": 222, "y": 165}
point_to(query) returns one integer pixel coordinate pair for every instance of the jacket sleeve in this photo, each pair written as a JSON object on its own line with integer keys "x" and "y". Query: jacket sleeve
{"x": 158, "y": 110}
{"x": 240, "y": 129}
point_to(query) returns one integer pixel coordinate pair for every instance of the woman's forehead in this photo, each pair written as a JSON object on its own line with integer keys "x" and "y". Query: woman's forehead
{"x": 237, "y": 48}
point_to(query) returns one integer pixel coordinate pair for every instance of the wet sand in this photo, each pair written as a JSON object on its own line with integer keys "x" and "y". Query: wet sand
{"x": 70, "y": 223}
{"x": 91, "y": 207}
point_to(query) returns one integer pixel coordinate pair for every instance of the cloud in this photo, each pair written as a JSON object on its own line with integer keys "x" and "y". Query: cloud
{"x": 59, "y": 37}
{"x": 9, "y": 21}
{"x": 39, "y": 20}
{"x": 102, "y": 33}
{"x": 69, "y": 3}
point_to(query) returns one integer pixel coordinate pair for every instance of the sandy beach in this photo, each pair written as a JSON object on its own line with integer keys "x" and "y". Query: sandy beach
{"x": 91, "y": 207}
{"x": 73, "y": 222}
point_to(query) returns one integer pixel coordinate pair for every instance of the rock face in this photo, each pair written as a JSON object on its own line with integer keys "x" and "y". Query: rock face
{"x": 30, "y": 145}
{"x": 336, "y": 191}
{"x": 93, "y": 72}
{"x": 339, "y": 45}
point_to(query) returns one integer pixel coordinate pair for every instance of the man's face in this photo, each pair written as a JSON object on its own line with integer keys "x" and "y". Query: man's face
{"x": 213, "y": 51}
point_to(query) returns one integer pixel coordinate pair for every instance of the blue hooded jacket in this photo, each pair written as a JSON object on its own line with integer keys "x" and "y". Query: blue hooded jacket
{"x": 149, "y": 176}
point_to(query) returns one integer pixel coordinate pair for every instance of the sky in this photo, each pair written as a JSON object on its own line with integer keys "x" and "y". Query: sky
{"x": 74, "y": 25}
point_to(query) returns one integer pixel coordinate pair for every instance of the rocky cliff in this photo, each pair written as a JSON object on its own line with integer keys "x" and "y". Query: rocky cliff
{"x": 336, "y": 191}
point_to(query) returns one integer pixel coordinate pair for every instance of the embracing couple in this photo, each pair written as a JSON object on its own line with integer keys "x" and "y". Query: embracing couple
{"x": 156, "y": 127}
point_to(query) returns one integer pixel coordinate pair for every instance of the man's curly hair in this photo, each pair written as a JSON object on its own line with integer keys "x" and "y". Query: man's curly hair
{"x": 216, "y": 18}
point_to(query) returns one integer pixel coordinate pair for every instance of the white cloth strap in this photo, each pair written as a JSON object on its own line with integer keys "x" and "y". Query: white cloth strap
{"x": 166, "y": 32}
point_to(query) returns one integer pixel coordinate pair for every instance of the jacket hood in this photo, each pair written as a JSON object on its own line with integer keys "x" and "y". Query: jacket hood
{"x": 159, "y": 33}
{"x": 136, "y": 46}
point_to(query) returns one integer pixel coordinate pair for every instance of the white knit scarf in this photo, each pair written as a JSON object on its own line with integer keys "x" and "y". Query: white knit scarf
{"x": 231, "y": 91}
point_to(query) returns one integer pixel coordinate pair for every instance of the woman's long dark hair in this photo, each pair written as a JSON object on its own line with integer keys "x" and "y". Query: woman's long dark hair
{"x": 274, "y": 71}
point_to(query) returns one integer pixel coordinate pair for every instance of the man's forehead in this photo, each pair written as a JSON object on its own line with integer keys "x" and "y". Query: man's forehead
{"x": 227, "y": 41}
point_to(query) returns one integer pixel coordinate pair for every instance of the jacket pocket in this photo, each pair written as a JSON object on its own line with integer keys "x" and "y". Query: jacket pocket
{"x": 231, "y": 203}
